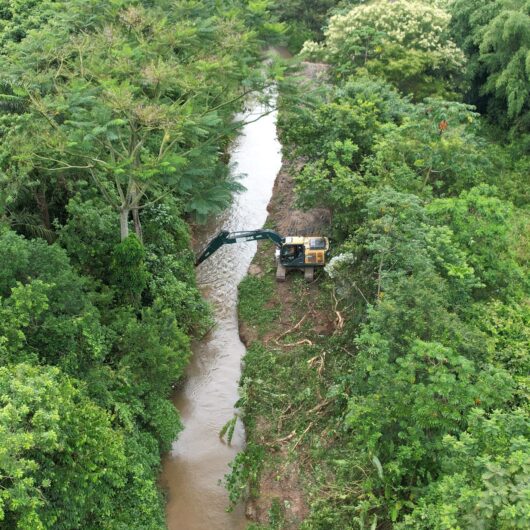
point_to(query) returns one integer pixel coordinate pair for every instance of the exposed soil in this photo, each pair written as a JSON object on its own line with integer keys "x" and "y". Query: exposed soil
{"x": 280, "y": 480}
{"x": 283, "y": 485}
{"x": 288, "y": 221}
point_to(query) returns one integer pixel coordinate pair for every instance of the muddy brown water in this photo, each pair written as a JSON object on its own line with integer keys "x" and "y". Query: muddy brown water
{"x": 199, "y": 459}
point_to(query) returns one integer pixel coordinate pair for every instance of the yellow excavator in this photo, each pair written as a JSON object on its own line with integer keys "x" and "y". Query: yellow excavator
{"x": 302, "y": 252}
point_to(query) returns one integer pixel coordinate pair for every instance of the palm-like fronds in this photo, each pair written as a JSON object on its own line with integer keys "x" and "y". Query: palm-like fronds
{"x": 31, "y": 225}
{"x": 12, "y": 100}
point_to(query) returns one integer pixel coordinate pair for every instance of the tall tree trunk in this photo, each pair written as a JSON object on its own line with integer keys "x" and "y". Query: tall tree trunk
{"x": 124, "y": 223}
{"x": 42, "y": 204}
{"x": 137, "y": 223}
{"x": 135, "y": 203}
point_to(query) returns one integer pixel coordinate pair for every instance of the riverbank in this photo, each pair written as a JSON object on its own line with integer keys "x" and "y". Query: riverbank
{"x": 285, "y": 327}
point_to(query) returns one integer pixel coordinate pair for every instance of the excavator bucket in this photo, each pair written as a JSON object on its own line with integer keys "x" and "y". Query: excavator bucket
{"x": 217, "y": 242}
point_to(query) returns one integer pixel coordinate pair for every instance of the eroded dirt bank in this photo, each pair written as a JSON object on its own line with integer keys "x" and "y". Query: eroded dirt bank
{"x": 281, "y": 324}
{"x": 286, "y": 219}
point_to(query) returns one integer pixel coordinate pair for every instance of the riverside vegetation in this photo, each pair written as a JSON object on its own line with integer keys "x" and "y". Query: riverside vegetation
{"x": 411, "y": 410}
{"x": 115, "y": 119}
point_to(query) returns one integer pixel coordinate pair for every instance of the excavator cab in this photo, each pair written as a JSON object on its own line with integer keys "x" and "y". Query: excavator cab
{"x": 292, "y": 255}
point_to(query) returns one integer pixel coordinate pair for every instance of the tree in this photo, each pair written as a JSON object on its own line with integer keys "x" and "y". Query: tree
{"x": 50, "y": 307}
{"x": 485, "y": 483}
{"x": 418, "y": 371}
{"x": 334, "y": 132}
{"x": 402, "y": 41}
{"x": 128, "y": 364}
{"x": 129, "y": 273}
{"x": 397, "y": 241}
{"x": 305, "y": 19}
{"x": 508, "y": 324}
{"x": 17, "y": 18}
{"x": 496, "y": 36}
{"x": 483, "y": 226}
{"x": 435, "y": 150}
{"x": 61, "y": 461}
{"x": 142, "y": 117}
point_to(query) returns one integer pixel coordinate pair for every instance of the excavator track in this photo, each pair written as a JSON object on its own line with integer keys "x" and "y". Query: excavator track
{"x": 280, "y": 272}
{"x": 309, "y": 274}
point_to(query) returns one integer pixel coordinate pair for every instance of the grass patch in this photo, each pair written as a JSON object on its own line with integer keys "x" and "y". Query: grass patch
{"x": 257, "y": 306}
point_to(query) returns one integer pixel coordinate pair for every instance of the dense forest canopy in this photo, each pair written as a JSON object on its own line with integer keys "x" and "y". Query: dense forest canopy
{"x": 115, "y": 118}
{"x": 115, "y": 123}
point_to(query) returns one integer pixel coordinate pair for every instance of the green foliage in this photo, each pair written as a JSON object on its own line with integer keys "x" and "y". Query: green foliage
{"x": 243, "y": 479}
{"x": 257, "y": 307}
{"x": 305, "y": 19}
{"x": 396, "y": 240}
{"x": 415, "y": 411}
{"x": 485, "y": 484}
{"x": 155, "y": 350}
{"x": 25, "y": 305}
{"x": 276, "y": 515}
{"x": 425, "y": 159}
{"x": 128, "y": 270}
{"x": 509, "y": 327}
{"x": 406, "y": 44}
{"x": 56, "y": 323}
{"x": 483, "y": 225}
{"x": 20, "y": 17}
{"x": 403, "y": 406}
{"x": 355, "y": 140}
{"x": 353, "y": 111}
{"x": 228, "y": 430}
{"x": 171, "y": 265}
{"x": 496, "y": 36}
{"x": 61, "y": 460}
{"x": 49, "y": 307}
{"x": 89, "y": 237}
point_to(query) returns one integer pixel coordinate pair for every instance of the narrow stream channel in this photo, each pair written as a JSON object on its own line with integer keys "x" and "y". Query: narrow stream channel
{"x": 199, "y": 459}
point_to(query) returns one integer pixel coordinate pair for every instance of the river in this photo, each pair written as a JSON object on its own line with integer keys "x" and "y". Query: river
{"x": 199, "y": 459}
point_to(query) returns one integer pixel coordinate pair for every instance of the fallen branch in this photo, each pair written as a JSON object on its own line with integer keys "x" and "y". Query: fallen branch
{"x": 299, "y": 343}
{"x": 302, "y": 435}
{"x": 339, "y": 321}
{"x": 287, "y": 413}
{"x": 286, "y": 438}
{"x": 294, "y": 328}
{"x": 318, "y": 360}
{"x": 321, "y": 405}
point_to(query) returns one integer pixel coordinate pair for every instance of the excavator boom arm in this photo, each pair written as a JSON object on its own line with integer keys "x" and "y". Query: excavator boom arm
{"x": 227, "y": 238}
